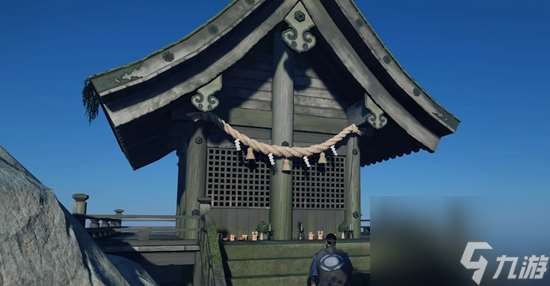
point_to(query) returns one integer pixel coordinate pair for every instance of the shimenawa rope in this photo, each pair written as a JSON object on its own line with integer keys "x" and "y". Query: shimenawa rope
{"x": 286, "y": 151}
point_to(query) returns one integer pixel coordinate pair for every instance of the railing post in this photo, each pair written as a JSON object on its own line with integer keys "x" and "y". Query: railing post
{"x": 119, "y": 213}
{"x": 94, "y": 226}
{"x": 94, "y": 223}
{"x": 205, "y": 204}
{"x": 79, "y": 207}
{"x": 80, "y": 204}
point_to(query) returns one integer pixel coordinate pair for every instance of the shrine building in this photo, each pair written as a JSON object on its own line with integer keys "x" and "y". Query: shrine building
{"x": 272, "y": 108}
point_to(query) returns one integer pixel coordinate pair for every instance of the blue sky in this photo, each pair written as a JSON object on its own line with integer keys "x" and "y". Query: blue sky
{"x": 486, "y": 62}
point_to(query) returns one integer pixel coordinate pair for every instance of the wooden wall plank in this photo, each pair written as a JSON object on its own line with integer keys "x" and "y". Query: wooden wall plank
{"x": 248, "y": 83}
{"x": 317, "y": 219}
{"x": 320, "y": 112}
{"x": 260, "y": 92}
{"x": 239, "y": 75}
{"x": 238, "y": 220}
{"x": 262, "y": 119}
{"x": 298, "y": 109}
{"x": 244, "y": 220}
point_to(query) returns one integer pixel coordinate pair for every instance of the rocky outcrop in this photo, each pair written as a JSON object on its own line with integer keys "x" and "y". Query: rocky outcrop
{"x": 134, "y": 274}
{"x": 40, "y": 242}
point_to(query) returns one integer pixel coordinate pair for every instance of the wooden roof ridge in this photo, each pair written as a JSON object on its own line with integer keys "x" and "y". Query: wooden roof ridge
{"x": 124, "y": 76}
{"x": 392, "y": 66}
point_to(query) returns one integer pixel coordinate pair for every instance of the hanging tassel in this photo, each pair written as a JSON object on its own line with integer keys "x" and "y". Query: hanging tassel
{"x": 271, "y": 159}
{"x": 250, "y": 154}
{"x": 286, "y": 165}
{"x": 307, "y": 162}
{"x": 322, "y": 158}
{"x": 333, "y": 149}
{"x": 237, "y": 145}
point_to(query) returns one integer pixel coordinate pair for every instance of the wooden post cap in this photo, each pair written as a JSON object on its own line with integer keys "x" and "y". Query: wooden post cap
{"x": 80, "y": 197}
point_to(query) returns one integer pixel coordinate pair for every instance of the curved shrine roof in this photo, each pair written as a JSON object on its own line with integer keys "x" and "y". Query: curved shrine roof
{"x": 138, "y": 98}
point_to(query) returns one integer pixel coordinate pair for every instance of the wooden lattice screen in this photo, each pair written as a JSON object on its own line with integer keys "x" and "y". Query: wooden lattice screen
{"x": 319, "y": 187}
{"x": 233, "y": 182}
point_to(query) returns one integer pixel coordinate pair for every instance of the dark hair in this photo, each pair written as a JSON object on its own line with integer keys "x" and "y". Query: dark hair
{"x": 331, "y": 238}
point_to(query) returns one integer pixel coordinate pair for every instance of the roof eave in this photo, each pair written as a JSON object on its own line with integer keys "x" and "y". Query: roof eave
{"x": 392, "y": 66}
{"x": 162, "y": 60}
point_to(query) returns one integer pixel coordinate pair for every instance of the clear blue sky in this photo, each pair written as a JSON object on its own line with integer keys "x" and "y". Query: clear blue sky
{"x": 486, "y": 61}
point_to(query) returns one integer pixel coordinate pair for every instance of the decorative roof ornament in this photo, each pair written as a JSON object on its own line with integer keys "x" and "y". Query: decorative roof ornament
{"x": 297, "y": 36}
{"x": 135, "y": 73}
{"x": 204, "y": 100}
{"x": 375, "y": 117}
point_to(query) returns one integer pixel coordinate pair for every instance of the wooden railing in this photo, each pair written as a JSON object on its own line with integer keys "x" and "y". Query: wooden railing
{"x": 208, "y": 270}
{"x": 98, "y": 226}
{"x": 365, "y": 226}
{"x": 150, "y": 218}
{"x": 106, "y": 225}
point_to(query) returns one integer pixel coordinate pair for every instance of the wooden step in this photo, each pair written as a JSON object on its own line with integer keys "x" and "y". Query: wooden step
{"x": 289, "y": 249}
{"x": 265, "y": 267}
{"x": 286, "y": 280}
{"x": 285, "y": 262}
{"x": 358, "y": 278}
{"x": 284, "y": 266}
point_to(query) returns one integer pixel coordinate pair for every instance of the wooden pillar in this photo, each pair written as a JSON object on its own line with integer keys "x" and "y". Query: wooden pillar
{"x": 282, "y": 134}
{"x": 352, "y": 197}
{"x": 191, "y": 181}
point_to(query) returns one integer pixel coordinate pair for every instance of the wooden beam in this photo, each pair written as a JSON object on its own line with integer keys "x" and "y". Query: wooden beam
{"x": 263, "y": 119}
{"x": 280, "y": 214}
